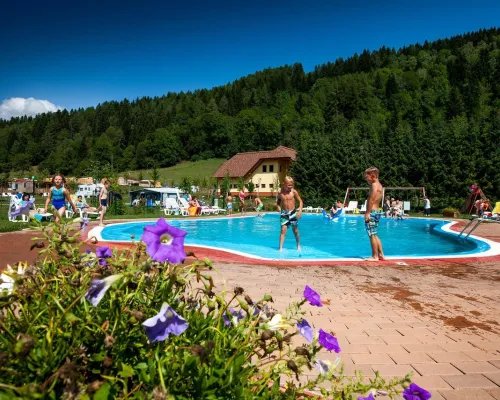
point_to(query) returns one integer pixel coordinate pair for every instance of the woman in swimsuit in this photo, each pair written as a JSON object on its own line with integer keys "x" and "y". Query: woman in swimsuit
{"x": 58, "y": 194}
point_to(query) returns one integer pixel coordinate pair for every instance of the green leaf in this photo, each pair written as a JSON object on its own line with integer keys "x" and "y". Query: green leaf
{"x": 141, "y": 366}
{"x": 127, "y": 371}
{"x": 103, "y": 392}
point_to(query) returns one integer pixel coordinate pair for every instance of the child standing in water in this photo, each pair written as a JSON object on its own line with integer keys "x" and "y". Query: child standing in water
{"x": 103, "y": 201}
{"x": 372, "y": 215}
{"x": 58, "y": 194}
{"x": 289, "y": 215}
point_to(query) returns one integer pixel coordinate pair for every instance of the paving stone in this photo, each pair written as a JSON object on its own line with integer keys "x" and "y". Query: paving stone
{"x": 410, "y": 358}
{"x": 469, "y": 381}
{"x": 493, "y": 376}
{"x": 371, "y": 359}
{"x": 496, "y": 363}
{"x": 495, "y": 393}
{"x": 348, "y": 348}
{"x": 392, "y": 370}
{"x": 486, "y": 345}
{"x": 466, "y": 394}
{"x": 394, "y": 325}
{"x": 350, "y": 369}
{"x": 428, "y": 369}
{"x": 449, "y": 356}
{"x": 382, "y": 332}
{"x": 358, "y": 339}
{"x": 386, "y": 348}
{"x": 414, "y": 331}
{"x": 419, "y": 348}
{"x": 481, "y": 355}
{"x": 457, "y": 346}
{"x": 431, "y": 382}
{"x": 402, "y": 340}
{"x": 440, "y": 339}
{"x": 475, "y": 367}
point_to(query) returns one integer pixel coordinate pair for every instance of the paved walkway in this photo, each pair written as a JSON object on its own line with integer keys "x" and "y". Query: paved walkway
{"x": 439, "y": 320}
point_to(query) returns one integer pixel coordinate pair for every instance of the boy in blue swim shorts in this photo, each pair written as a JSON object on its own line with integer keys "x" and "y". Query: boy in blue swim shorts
{"x": 372, "y": 215}
{"x": 289, "y": 215}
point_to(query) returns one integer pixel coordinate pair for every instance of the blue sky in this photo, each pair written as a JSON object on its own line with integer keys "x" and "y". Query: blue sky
{"x": 78, "y": 54}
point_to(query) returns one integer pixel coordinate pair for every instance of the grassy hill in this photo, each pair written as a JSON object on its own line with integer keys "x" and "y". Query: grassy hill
{"x": 192, "y": 169}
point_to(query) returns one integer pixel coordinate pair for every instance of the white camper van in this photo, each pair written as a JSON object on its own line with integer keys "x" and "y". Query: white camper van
{"x": 89, "y": 190}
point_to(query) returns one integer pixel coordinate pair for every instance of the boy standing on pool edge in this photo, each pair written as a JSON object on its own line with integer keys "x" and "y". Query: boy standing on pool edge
{"x": 289, "y": 215}
{"x": 372, "y": 216}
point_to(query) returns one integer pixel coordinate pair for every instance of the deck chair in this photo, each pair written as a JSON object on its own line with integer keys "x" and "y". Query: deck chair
{"x": 308, "y": 209}
{"x": 363, "y": 207}
{"x": 171, "y": 207}
{"x": 352, "y": 206}
{"x": 218, "y": 210}
{"x": 184, "y": 206}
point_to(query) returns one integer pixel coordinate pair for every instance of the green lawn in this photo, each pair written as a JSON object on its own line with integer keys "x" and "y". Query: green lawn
{"x": 191, "y": 169}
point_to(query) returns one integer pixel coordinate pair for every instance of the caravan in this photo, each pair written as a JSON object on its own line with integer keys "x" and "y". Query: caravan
{"x": 89, "y": 190}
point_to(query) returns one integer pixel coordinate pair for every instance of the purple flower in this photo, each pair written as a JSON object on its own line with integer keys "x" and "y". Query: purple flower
{"x": 312, "y": 297}
{"x": 415, "y": 392}
{"x": 104, "y": 252}
{"x": 305, "y": 330}
{"x": 88, "y": 251}
{"x": 325, "y": 366}
{"x": 369, "y": 397}
{"x": 24, "y": 209}
{"x": 164, "y": 242}
{"x": 164, "y": 323}
{"x": 99, "y": 287}
{"x": 328, "y": 341}
{"x": 84, "y": 223}
{"x": 236, "y": 316}
{"x": 103, "y": 262}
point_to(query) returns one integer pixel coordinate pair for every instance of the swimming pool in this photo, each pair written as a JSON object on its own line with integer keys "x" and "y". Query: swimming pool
{"x": 321, "y": 239}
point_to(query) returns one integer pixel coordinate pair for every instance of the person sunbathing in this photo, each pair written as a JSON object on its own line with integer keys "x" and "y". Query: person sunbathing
{"x": 83, "y": 205}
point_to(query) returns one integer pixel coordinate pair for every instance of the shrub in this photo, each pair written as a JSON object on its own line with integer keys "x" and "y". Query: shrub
{"x": 103, "y": 324}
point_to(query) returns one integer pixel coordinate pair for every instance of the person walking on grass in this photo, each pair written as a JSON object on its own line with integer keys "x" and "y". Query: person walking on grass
{"x": 372, "y": 215}
{"x": 427, "y": 207}
{"x": 103, "y": 200}
{"x": 289, "y": 215}
{"x": 59, "y": 195}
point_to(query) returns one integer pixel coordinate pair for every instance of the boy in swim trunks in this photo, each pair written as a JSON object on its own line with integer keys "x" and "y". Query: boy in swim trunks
{"x": 259, "y": 206}
{"x": 289, "y": 215}
{"x": 372, "y": 215}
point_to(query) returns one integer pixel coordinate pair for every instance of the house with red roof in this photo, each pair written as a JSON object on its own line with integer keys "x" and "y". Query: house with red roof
{"x": 265, "y": 169}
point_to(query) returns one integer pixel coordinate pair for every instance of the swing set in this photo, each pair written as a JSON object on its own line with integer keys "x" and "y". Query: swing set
{"x": 354, "y": 190}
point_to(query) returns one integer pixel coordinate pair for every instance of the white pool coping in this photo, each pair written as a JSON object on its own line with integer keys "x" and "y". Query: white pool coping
{"x": 494, "y": 249}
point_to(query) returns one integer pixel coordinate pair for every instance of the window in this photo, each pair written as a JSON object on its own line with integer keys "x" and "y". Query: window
{"x": 256, "y": 185}
{"x": 263, "y": 186}
{"x": 264, "y": 168}
{"x": 271, "y": 185}
{"x": 271, "y": 168}
{"x": 280, "y": 168}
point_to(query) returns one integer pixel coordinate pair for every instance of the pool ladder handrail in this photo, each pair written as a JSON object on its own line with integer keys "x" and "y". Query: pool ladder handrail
{"x": 476, "y": 220}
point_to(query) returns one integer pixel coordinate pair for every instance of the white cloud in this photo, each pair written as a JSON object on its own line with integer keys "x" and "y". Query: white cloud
{"x": 18, "y": 106}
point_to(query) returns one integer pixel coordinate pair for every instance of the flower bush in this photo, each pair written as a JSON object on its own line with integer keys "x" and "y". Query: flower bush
{"x": 103, "y": 324}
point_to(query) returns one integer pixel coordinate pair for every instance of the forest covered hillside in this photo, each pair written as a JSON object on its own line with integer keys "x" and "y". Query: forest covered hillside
{"x": 426, "y": 115}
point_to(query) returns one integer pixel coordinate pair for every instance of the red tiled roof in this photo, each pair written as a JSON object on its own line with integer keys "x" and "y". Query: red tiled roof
{"x": 242, "y": 163}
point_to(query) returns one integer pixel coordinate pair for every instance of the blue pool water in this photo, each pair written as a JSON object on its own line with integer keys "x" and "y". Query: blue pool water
{"x": 320, "y": 238}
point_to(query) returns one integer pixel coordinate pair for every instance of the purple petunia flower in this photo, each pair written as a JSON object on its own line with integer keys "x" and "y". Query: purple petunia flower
{"x": 99, "y": 287}
{"x": 305, "y": 330}
{"x": 88, "y": 251}
{"x": 369, "y": 397}
{"x": 312, "y": 297}
{"x": 83, "y": 224}
{"x": 415, "y": 392}
{"x": 103, "y": 262}
{"x": 328, "y": 341}
{"x": 164, "y": 323}
{"x": 164, "y": 242}
{"x": 24, "y": 209}
{"x": 104, "y": 252}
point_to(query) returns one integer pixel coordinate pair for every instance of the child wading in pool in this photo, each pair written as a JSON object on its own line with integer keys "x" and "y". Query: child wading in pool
{"x": 103, "y": 201}
{"x": 372, "y": 215}
{"x": 289, "y": 215}
{"x": 58, "y": 194}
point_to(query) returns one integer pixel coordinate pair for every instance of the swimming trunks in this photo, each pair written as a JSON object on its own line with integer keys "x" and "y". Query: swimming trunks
{"x": 372, "y": 226}
{"x": 104, "y": 202}
{"x": 58, "y": 200}
{"x": 260, "y": 207}
{"x": 289, "y": 218}
{"x": 229, "y": 206}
